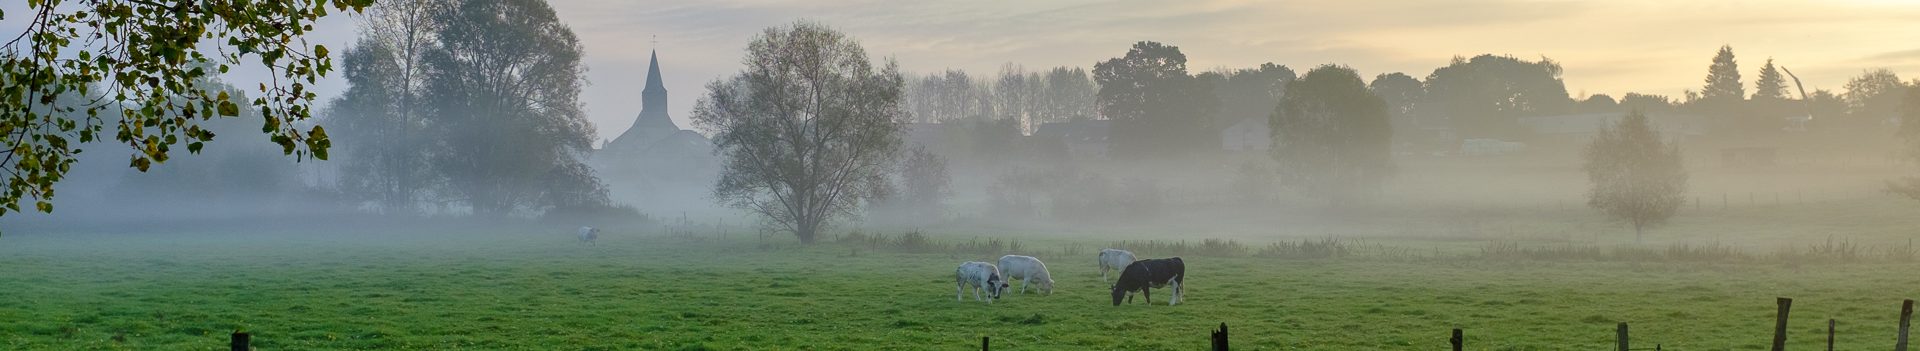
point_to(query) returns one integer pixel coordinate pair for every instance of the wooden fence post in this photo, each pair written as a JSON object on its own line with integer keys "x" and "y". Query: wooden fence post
{"x": 1829, "y": 334}
{"x": 1906, "y": 315}
{"x": 983, "y": 343}
{"x": 1780, "y": 325}
{"x": 1220, "y": 338}
{"x": 1459, "y": 341}
{"x": 1622, "y": 336}
{"x": 242, "y": 342}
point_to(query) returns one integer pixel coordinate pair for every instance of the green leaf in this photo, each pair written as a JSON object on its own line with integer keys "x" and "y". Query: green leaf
{"x": 228, "y": 108}
{"x": 320, "y": 51}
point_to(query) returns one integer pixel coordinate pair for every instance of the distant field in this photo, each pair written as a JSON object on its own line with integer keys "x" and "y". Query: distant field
{"x": 475, "y": 289}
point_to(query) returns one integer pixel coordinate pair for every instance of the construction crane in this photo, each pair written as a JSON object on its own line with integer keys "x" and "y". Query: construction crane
{"x": 1799, "y": 124}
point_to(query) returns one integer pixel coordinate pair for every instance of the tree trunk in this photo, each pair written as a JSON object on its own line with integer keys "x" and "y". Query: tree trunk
{"x": 1638, "y": 229}
{"x": 806, "y": 230}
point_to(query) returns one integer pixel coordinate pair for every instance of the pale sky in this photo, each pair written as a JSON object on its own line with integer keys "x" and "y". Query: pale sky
{"x": 1611, "y": 47}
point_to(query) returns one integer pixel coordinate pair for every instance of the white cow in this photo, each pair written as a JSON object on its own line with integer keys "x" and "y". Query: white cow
{"x": 1114, "y": 259}
{"x": 1028, "y": 270}
{"x": 981, "y": 276}
{"x": 588, "y": 234}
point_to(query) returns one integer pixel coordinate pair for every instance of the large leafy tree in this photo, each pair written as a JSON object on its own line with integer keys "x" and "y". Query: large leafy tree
{"x": 1484, "y": 97}
{"x": 1637, "y": 176}
{"x": 1874, "y": 97}
{"x": 380, "y": 113}
{"x": 507, "y": 126}
{"x": 808, "y": 131}
{"x": 141, "y": 60}
{"x": 1158, "y": 110}
{"x": 1250, "y": 92}
{"x": 1399, "y": 90}
{"x": 1332, "y": 136}
{"x": 1910, "y": 133}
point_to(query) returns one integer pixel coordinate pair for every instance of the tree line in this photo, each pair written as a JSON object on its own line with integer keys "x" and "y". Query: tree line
{"x": 472, "y": 105}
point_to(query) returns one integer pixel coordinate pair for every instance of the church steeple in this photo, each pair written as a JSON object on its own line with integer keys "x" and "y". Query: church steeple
{"x": 653, "y": 76}
{"x": 653, "y": 100}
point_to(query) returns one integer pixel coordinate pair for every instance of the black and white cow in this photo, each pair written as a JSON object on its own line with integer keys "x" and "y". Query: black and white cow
{"x": 981, "y": 276}
{"x": 589, "y": 234}
{"x": 1145, "y": 274}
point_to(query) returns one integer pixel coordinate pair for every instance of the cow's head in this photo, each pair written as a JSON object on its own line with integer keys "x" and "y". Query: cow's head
{"x": 995, "y": 285}
{"x": 1046, "y": 286}
{"x": 1118, "y": 294}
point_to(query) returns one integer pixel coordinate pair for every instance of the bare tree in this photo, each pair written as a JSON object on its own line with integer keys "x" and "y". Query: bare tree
{"x": 807, "y": 131}
{"x": 1637, "y": 177}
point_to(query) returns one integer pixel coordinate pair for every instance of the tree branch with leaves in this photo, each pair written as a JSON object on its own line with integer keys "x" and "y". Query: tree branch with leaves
{"x": 139, "y": 63}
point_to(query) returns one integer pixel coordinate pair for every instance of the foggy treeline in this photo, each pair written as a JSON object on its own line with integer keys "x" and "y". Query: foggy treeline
{"x": 431, "y": 126}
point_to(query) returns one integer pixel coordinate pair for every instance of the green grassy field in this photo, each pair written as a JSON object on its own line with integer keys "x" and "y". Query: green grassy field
{"x": 505, "y": 289}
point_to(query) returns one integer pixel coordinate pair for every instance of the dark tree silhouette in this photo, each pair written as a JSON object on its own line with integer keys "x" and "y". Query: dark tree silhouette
{"x": 507, "y": 126}
{"x": 1770, "y": 85}
{"x": 1158, "y": 110}
{"x": 1723, "y": 78}
{"x": 1483, "y": 97}
{"x": 1332, "y": 137}
{"x": 1910, "y": 133}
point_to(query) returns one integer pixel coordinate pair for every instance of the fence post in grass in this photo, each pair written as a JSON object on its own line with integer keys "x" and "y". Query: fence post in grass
{"x": 1459, "y": 341}
{"x": 242, "y": 342}
{"x": 1780, "y": 325}
{"x": 1829, "y": 334}
{"x": 1622, "y": 335}
{"x": 983, "y": 343}
{"x": 1906, "y": 315}
{"x": 1220, "y": 338}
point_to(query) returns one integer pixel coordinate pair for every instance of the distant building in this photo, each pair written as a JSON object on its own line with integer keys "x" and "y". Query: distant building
{"x": 655, "y": 163}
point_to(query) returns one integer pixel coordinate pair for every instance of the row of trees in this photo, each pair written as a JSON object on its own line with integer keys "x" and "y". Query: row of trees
{"x": 466, "y": 104}
{"x": 1030, "y": 98}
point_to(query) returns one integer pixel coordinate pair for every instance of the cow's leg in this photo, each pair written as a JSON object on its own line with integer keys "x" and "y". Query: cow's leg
{"x": 1023, "y": 284}
{"x": 1103, "y": 272}
{"x": 1147, "y": 292}
{"x": 959, "y": 290}
{"x": 1175, "y": 282}
{"x": 1176, "y": 293}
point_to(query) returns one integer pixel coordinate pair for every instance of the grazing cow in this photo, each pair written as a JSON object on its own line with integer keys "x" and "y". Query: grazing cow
{"x": 588, "y": 234}
{"x": 1151, "y": 273}
{"x": 1028, "y": 270}
{"x": 1114, "y": 259}
{"x": 981, "y": 276}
